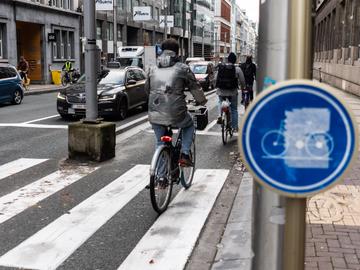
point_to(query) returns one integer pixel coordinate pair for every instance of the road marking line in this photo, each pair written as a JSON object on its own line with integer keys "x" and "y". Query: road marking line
{"x": 203, "y": 133}
{"x": 131, "y": 123}
{"x": 16, "y": 202}
{"x": 170, "y": 241}
{"x": 18, "y": 165}
{"x": 209, "y": 126}
{"x": 33, "y": 126}
{"x": 40, "y": 119}
{"x": 52, "y": 245}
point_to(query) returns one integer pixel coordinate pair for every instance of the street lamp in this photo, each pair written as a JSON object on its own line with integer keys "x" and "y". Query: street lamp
{"x": 203, "y": 32}
{"x": 165, "y": 7}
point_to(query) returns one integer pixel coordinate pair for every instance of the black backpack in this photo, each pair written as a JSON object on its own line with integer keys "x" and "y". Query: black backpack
{"x": 226, "y": 78}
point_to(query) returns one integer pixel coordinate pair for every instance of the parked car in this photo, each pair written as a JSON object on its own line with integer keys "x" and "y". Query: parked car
{"x": 118, "y": 90}
{"x": 11, "y": 88}
{"x": 204, "y": 74}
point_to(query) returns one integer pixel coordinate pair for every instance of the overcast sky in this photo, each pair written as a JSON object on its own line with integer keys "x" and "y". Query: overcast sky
{"x": 251, "y": 7}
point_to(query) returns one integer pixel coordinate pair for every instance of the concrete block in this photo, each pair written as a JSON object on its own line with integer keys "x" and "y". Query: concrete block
{"x": 88, "y": 141}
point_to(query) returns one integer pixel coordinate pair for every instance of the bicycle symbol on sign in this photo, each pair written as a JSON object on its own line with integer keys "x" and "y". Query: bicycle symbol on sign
{"x": 313, "y": 145}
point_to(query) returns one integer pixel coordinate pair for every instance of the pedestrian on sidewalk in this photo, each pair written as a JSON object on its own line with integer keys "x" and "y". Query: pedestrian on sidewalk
{"x": 23, "y": 68}
{"x": 249, "y": 70}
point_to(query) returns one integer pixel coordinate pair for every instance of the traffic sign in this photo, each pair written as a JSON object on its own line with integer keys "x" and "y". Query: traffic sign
{"x": 298, "y": 138}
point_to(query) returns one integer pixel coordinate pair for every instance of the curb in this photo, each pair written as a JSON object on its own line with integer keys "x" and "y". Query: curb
{"x": 39, "y": 92}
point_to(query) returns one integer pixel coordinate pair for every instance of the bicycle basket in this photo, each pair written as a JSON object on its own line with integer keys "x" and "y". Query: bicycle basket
{"x": 200, "y": 117}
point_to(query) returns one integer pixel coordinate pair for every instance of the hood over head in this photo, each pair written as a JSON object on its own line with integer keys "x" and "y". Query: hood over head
{"x": 167, "y": 59}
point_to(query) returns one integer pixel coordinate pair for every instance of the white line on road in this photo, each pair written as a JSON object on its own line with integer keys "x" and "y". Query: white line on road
{"x": 170, "y": 241}
{"x": 41, "y": 119}
{"x": 120, "y": 128}
{"x": 209, "y": 126}
{"x": 25, "y": 197}
{"x": 33, "y": 126}
{"x": 52, "y": 245}
{"x": 18, "y": 165}
{"x": 201, "y": 132}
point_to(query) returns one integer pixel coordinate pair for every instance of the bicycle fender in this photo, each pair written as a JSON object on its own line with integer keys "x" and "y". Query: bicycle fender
{"x": 155, "y": 158}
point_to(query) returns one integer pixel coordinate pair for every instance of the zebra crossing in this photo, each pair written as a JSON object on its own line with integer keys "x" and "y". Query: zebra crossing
{"x": 166, "y": 245}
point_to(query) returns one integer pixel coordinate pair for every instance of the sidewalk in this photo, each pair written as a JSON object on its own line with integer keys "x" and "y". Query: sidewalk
{"x": 333, "y": 217}
{"x": 37, "y": 89}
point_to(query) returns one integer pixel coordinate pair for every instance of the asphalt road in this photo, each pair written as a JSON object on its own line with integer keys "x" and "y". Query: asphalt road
{"x": 46, "y": 138}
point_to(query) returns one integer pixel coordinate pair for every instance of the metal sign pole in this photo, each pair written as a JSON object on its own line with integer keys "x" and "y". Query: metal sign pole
{"x": 299, "y": 68}
{"x": 90, "y": 61}
{"x": 269, "y": 206}
{"x": 115, "y": 29}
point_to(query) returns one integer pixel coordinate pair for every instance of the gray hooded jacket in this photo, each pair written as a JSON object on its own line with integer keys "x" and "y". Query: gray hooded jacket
{"x": 165, "y": 85}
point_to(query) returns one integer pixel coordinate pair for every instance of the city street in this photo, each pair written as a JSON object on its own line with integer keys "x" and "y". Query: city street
{"x": 54, "y": 213}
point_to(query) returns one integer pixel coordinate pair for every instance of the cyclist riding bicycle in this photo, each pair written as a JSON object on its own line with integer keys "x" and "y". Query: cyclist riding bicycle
{"x": 228, "y": 79}
{"x": 165, "y": 84}
{"x": 68, "y": 68}
{"x": 249, "y": 70}
{"x": 23, "y": 67}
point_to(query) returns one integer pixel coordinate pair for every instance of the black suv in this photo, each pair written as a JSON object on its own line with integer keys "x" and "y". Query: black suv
{"x": 118, "y": 90}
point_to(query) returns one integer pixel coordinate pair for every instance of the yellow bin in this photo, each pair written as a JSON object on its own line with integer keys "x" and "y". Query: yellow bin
{"x": 56, "y": 76}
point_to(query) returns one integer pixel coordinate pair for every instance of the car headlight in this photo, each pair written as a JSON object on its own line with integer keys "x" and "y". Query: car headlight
{"x": 107, "y": 97}
{"x": 61, "y": 96}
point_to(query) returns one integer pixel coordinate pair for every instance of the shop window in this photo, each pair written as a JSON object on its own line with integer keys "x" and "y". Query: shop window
{"x": 64, "y": 46}
{"x": 98, "y": 30}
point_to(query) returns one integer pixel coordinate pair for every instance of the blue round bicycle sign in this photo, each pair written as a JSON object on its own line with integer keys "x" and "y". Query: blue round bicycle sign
{"x": 298, "y": 138}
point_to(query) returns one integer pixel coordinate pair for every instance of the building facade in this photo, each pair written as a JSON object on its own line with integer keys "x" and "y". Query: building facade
{"x": 222, "y": 28}
{"x": 45, "y": 32}
{"x": 337, "y": 39}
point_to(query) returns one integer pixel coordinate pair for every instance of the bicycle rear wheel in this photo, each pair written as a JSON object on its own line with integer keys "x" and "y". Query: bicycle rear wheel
{"x": 64, "y": 81}
{"x": 224, "y": 125}
{"x": 161, "y": 182}
{"x": 187, "y": 173}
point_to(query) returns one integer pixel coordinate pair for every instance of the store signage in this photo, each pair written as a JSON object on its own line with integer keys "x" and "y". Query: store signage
{"x": 104, "y": 4}
{"x": 142, "y": 13}
{"x": 51, "y": 37}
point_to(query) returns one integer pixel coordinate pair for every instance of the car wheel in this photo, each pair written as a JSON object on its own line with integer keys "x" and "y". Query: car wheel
{"x": 17, "y": 97}
{"x": 122, "y": 109}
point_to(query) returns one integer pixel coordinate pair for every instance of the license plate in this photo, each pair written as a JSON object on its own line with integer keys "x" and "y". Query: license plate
{"x": 78, "y": 106}
{"x": 71, "y": 111}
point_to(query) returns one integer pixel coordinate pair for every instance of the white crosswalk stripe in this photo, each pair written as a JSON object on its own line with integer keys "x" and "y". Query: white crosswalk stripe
{"x": 25, "y": 197}
{"x": 49, "y": 247}
{"x": 166, "y": 245}
{"x": 169, "y": 242}
{"x": 18, "y": 165}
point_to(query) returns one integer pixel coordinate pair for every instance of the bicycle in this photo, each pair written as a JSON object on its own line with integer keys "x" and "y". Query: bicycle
{"x": 226, "y": 129}
{"x": 25, "y": 80}
{"x": 70, "y": 77}
{"x": 166, "y": 170}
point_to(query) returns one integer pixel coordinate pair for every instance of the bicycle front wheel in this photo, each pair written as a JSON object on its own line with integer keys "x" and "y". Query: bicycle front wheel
{"x": 187, "y": 173}
{"x": 64, "y": 81}
{"x": 161, "y": 182}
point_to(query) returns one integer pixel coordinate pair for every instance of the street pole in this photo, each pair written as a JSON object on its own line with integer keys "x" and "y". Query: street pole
{"x": 299, "y": 68}
{"x": 165, "y": 23}
{"x": 91, "y": 64}
{"x": 216, "y": 47}
{"x": 115, "y": 29}
{"x": 269, "y": 206}
{"x": 203, "y": 45}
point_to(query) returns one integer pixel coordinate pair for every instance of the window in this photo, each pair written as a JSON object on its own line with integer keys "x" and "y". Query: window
{"x": 2, "y": 41}
{"x": 130, "y": 75}
{"x": 139, "y": 76}
{"x": 64, "y": 47}
{"x": 110, "y": 31}
{"x": 156, "y": 14}
{"x": 7, "y": 72}
{"x": 98, "y": 30}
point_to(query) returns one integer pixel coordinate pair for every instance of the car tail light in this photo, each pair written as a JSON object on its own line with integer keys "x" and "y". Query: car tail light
{"x": 166, "y": 139}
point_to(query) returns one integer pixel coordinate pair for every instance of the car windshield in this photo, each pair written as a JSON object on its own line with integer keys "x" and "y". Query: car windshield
{"x": 199, "y": 69}
{"x": 126, "y": 62}
{"x": 113, "y": 77}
